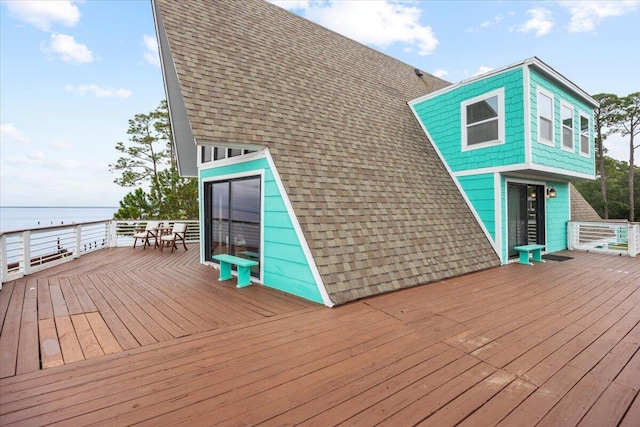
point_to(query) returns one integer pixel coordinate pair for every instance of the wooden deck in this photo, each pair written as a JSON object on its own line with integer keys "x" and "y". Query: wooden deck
{"x": 152, "y": 338}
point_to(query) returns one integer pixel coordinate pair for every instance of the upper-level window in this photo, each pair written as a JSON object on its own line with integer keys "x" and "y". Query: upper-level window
{"x": 567, "y": 128}
{"x": 545, "y": 118}
{"x": 584, "y": 135}
{"x": 208, "y": 154}
{"x": 483, "y": 121}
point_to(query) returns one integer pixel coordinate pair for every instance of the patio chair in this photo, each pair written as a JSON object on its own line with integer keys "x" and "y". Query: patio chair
{"x": 147, "y": 233}
{"x": 178, "y": 232}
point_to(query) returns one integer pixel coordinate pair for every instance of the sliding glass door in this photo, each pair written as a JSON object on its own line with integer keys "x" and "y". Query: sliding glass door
{"x": 525, "y": 204}
{"x": 232, "y": 226}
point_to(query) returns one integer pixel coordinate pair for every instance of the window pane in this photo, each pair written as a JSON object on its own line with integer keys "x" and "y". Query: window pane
{"x": 567, "y": 137}
{"x": 567, "y": 117}
{"x": 584, "y": 134}
{"x": 584, "y": 125}
{"x": 545, "y": 106}
{"x": 219, "y": 218}
{"x": 483, "y": 132}
{"x": 233, "y": 152}
{"x": 482, "y": 110}
{"x": 584, "y": 144}
{"x": 245, "y": 219}
{"x": 206, "y": 154}
{"x": 219, "y": 153}
{"x": 546, "y": 129}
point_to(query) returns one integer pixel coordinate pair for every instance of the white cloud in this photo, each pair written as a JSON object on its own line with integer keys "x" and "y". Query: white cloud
{"x": 486, "y": 24}
{"x": 98, "y": 91}
{"x": 540, "y": 21}
{"x": 59, "y": 145}
{"x": 586, "y": 15}
{"x": 377, "y": 23}
{"x": 44, "y": 14}
{"x": 440, "y": 73}
{"x": 483, "y": 69}
{"x": 8, "y": 132}
{"x": 35, "y": 157}
{"x": 68, "y": 49}
{"x": 151, "y": 50}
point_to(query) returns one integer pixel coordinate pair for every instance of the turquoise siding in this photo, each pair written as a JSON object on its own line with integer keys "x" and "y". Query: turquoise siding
{"x": 557, "y": 217}
{"x": 441, "y": 116}
{"x": 555, "y": 156}
{"x": 480, "y": 191}
{"x": 285, "y": 265}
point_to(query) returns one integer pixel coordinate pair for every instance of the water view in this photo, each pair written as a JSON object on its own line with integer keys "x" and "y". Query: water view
{"x": 23, "y": 217}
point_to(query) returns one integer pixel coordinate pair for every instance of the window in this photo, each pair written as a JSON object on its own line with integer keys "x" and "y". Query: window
{"x": 567, "y": 128}
{"x": 208, "y": 154}
{"x": 483, "y": 121}
{"x": 219, "y": 153}
{"x": 205, "y": 154}
{"x": 584, "y": 135}
{"x": 545, "y": 118}
{"x": 232, "y": 219}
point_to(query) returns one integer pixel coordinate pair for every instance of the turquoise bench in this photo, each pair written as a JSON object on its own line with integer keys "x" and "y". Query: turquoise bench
{"x": 244, "y": 266}
{"x": 527, "y": 250}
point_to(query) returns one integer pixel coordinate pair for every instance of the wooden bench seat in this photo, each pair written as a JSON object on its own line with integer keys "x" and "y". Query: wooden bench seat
{"x": 244, "y": 268}
{"x": 527, "y": 250}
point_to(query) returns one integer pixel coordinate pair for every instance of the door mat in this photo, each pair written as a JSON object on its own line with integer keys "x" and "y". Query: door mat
{"x": 556, "y": 257}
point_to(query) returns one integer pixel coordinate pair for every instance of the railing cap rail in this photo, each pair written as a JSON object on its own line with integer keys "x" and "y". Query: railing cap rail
{"x": 54, "y": 227}
{"x": 74, "y": 224}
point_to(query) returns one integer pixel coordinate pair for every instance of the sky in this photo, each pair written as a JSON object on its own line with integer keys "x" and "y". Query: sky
{"x": 72, "y": 73}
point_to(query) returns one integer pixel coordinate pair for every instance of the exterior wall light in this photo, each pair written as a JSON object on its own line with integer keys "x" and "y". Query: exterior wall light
{"x": 552, "y": 193}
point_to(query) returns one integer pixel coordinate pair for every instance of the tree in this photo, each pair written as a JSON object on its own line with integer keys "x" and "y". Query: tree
{"x": 151, "y": 160}
{"x": 134, "y": 206}
{"x": 617, "y": 187}
{"x": 625, "y": 119}
{"x": 602, "y": 116}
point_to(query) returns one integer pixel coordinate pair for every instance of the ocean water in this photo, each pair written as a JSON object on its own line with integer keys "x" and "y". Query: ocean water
{"x": 20, "y": 218}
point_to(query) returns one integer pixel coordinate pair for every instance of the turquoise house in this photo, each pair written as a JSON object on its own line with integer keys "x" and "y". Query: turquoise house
{"x": 512, "y": 139}
{"x": 313, "y": 168}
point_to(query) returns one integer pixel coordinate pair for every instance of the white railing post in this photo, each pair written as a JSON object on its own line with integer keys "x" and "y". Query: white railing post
{"x": 113, "y": 235}
{"x": 4, "y": 263}
{"x": 633, "y": 242}
{"x": 78, "y": 240}
{"x": 26, "y": 252}
{"x": 571, "y": 234}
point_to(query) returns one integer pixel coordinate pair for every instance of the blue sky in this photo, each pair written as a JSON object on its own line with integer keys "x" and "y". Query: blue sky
{"x": 72, "y": 73}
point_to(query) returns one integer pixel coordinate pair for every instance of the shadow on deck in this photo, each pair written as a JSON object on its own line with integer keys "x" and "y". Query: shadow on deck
{"x": 152, "y": 338}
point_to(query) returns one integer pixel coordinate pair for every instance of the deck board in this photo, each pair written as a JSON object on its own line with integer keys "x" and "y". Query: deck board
{"x": 71, "y": 350}
{"x": 10, "y": 337}
{"x": 86, "y": 337}
{"x": 150, "y": 338}
{"x": 28, "y": 357}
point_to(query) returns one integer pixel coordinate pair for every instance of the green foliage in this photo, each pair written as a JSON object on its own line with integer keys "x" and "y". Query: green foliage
{"x": 615, "y": 115}
{"x": 134, "y": 206}
{"x": 150, "y": 159}
{"x": 617, "y": 188}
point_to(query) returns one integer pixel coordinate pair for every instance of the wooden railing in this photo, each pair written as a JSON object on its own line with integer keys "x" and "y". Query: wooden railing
{"x": 26, "y": 251}
{"x": 617, "y": 237}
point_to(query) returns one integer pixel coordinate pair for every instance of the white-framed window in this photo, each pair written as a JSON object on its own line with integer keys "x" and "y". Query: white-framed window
{"x": 545, "y": 118}
{"x": 212, "y": 154}
{"x": 584, "y": 135}
{"x": 567, "y": 127}
{"x": 483, "y": 120}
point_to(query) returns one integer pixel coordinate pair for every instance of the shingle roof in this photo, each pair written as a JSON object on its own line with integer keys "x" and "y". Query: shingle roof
{"x": 375, "y": 203}
{"x": 581, "y": 210}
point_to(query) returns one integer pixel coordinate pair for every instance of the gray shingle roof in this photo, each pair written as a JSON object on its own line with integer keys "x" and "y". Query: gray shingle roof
{"x": 581, "y": 210}
{"x": 375, "y": 203}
